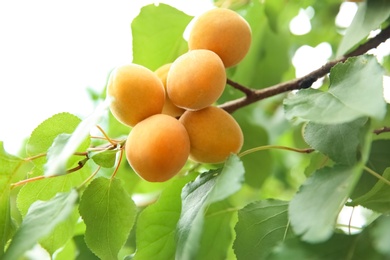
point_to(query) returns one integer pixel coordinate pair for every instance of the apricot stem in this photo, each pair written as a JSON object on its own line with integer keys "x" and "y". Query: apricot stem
{"x": 106, "y": 136}
{"x": 376, "y": 175}
{"x": 119, "y": 163}
{"x": 268, "y": 147}
{"x": 22, "y": 182}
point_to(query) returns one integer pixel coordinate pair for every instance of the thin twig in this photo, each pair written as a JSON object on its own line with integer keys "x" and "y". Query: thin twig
{"x": 252, "y": 95}
{"x": 384, "y": 129}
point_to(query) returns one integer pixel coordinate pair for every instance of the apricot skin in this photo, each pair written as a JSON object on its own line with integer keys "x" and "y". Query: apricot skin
{"x": 224, "y": 32}
{"x": 169, "y": 108}
{"x": 196, "y": 79}
{"x": 214, "y": 134}
{"x": 137, "y": 93}
{"x": 157, "y": 148}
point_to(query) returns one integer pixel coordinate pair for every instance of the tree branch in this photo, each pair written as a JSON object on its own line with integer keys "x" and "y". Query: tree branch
{"x": 252, "y": 95}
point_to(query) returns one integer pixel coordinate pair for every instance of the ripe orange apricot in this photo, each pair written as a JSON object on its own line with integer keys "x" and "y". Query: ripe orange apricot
{"x": 222, "y": 31}
{"x": 196, "y": 79}
{"x": 137, "y": 93}
{"x": 157, "y": 148}
{"x": 214, "y": 134}
{"x": 169, "y": 108}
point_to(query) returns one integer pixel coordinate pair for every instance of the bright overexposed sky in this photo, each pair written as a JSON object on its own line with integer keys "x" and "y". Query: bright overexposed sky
{"x": 51, "y": 51}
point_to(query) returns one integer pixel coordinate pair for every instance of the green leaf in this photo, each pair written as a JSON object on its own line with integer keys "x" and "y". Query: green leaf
{"x": 46, "y": 189}
{"x": 156, "y": 225}
{"x": 314, "y": 209}
{"x": 378, "y": 161}
{"x": 378, "y": 198}
{"x": 106, "y": 158}
{"x": 209, "y": 187}
{"x": 43, "y": 136}
{"x": 217, "y": 233}
{"x": 381, "y": 234}
{"x": 340, "y": 142}
{"x": 369, "y": 16}
{"x": 356, "y": 90}
{"x": 339, "y": 246}
{"x": 261, "y": 225}
{"x": 8, "y": 166}
{"x": 65, "y": 145}
{"x": 41, "y": 219}
{"x": 158, "y": 35}
{"x": 109, "y": 214}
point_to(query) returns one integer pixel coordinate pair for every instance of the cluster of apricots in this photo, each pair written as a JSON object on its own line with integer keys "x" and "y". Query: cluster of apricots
{"x": 171, "y": 110}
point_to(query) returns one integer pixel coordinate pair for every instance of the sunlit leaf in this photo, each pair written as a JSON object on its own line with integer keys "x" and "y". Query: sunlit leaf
{"x": 109, "y": 214}
{"x": 261, "y": 225}
{"x": 196, "y": 196}
{"x": 41, "y": 219}
{"x": 64, "y": 146}
{"x": 158, "y": 35}
{"x": 156, "y": 225}
{"x": 356, "y": 90}
{"x": 370, "y": 15}
{"x": 8, "y": 165}
{"x": 314, "y": 209}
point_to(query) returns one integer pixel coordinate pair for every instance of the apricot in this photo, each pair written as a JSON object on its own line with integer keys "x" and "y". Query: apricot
{"x": 169, "y": 108}
{"x": 222, "y": 31}
{"x": 137, "y": 93}
{"x": 196, "y": 79}
{"x": 214, "y": 134}
{"x": 157, "y": 148}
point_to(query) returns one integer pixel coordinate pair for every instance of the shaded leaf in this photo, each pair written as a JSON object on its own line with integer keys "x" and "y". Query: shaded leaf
{"x": 339, "y": 246}
{"x": 314, "y": 209}
{"x": 41, "y": 219}
{"x": 381, "y": 234}
{"x": 356, "y": 90}
{"x": 105, "y": 158}
{"x": 196, "y": 196}
{"x": 261, "y": 225}
{"x": 109, "y": 214}
{"x": 217, "y": 231}
{"x": 378, "y": 198}
{"x": 158, "y": 35}
{"x": 340, "y": 142}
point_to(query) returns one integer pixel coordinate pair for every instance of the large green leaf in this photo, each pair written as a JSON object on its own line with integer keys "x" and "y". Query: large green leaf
{"x": 8, "y": 166}
{"x": 381, "y": 234}
{"x": 41, "y": 219}
{"x": 370, "y": 15}
{"x": 43, "y": 136}
{"x": 341, "y": 142}
{"x": 209, "y": 187}
{"x": 261, "y": 225}
{"x": 109, "y": 214}
{"x": 158, "y": 35}
{"x": 156, "y": 225}
{"x": 217, "y": 233}
{"x": 356, "y": 90}
{"x": 378, "y": 198}
{"x": 314, "y": 209}
{"x": 339, "y": 246}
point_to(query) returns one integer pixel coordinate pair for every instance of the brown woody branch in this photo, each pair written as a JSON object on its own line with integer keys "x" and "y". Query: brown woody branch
{"x": 252, "y": 95}
{"x": 384, "y": 129}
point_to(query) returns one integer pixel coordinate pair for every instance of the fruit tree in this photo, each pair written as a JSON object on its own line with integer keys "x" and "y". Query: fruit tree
{"x": 210, "y": 144}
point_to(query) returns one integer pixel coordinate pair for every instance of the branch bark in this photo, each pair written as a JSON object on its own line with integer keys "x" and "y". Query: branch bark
{"x": 252, "y": 95}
